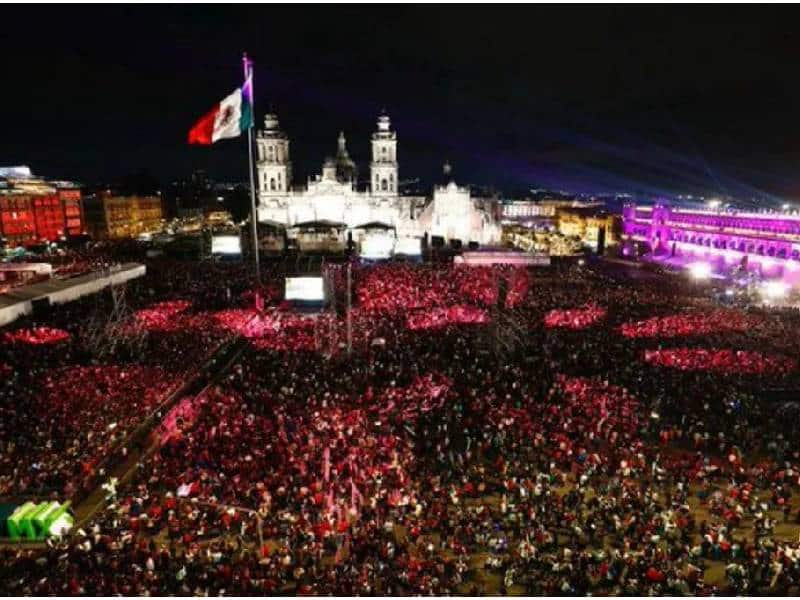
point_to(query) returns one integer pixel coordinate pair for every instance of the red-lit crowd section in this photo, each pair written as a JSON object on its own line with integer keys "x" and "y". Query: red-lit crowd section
{"x": 32, "y": 218}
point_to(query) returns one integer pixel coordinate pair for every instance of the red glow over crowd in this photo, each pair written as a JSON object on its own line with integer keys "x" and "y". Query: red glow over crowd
{"x": 569, "y": 462}
{"x": 575, "y": 318}
{"x": 36, "y": 336}
{"x": 437, "y": 318}
{"x": 290, "y": 333}
{"x": 689, "y": 324}
{"x": 162, "y": 315}
{"x": 246, "y": 322}
{"x": 83, "y": 412}
{"x": 729, "y": 362}
{"x": 400, "y": 288}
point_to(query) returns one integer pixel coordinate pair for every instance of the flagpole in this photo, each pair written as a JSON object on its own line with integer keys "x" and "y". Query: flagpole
{"x": 248, "y": 77}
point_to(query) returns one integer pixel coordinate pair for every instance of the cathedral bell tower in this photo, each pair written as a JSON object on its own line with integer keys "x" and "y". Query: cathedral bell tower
{"x": 273, "y": 164}
{"x": 383, "y": 168}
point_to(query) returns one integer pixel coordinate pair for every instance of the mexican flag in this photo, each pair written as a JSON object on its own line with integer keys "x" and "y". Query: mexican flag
{"x": 228, "y": 119}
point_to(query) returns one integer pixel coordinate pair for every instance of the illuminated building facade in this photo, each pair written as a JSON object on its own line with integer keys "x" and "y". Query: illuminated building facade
{"x": 17, "y": 222}
{"x": 334, "y": 195}
{"x": 766, "y": 243}
{"x": 33, "y": 210}
{"x": 586, "y": 222}
{"x": 116, "y": 217}
{"x": 74, "y": 223}
{"x": 533, "y": 212}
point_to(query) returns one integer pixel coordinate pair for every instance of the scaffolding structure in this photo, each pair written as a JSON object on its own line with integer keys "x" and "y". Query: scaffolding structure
{"x": 115, "y": 332}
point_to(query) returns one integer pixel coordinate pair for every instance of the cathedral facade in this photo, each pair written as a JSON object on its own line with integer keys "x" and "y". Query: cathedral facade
{"x": 333, "y": 195}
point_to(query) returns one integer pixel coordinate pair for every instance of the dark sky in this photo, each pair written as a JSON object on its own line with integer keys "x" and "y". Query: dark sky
{"x": 699, "y": 99}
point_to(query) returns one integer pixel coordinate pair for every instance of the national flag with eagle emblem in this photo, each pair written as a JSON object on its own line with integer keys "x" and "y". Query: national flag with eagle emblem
{"x": 228, "y": 119}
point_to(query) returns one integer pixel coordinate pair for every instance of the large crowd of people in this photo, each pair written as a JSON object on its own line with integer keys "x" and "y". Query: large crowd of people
{"x": 610, "y": 449}
{"x": 76, "y": 383}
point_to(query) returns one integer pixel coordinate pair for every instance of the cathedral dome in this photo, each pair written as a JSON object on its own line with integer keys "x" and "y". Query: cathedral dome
{"x": 346, "y": 169}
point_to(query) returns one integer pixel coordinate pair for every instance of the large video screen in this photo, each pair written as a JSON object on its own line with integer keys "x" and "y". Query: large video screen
{"x": 226, "y": 244}
{"x": 377, "y": 246}
{"x": 410, "y": 246}
{"x": 305, "y": 289}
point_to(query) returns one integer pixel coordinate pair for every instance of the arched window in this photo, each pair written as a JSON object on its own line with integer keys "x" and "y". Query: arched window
{"x": 272, "y": 184}
{"x": 384, "y": 185}
{"x": 391, "y": 182}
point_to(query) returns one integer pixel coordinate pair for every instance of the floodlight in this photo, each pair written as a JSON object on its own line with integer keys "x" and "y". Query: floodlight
{"x": 699, "y": 270}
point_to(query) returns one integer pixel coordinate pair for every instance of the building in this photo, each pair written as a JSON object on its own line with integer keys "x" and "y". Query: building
{"x": 455, "y": 215}
{"x": 586, "y": 222}
{"x": 540, "y": 213}
{"x": 116, "y": 217}
{"x": 17, "y": 221}
{"x": 765, "y": 243}
{"x": 33, "y": 210}
{"x": 71, "y": 200}
{"x": 333, "y": 195}
{"x": 531, "y": 211}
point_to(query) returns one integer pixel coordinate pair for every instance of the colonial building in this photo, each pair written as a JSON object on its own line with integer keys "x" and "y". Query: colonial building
{"x": 34, "y": 210}
{"x": 333, "y": 196}
{"x": 585, "y": 222}
{"x": 765, "y": 243}
{"x": 116, "y": 217}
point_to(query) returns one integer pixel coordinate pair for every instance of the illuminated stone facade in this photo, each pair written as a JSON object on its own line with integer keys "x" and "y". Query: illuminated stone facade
{"x": 116, "y": 217}
{"x": 34, "y": 210}
{"x": 585, "y": 223}
{"x": 765, "y": 242}
{"x": 334, "y": 195}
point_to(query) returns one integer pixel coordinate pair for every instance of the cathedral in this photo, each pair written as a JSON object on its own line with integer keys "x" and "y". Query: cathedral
{"x": 333, "y": 196}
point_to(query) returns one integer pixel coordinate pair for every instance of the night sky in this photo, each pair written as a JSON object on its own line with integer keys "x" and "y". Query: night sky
{"x": 651, "y": 100}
